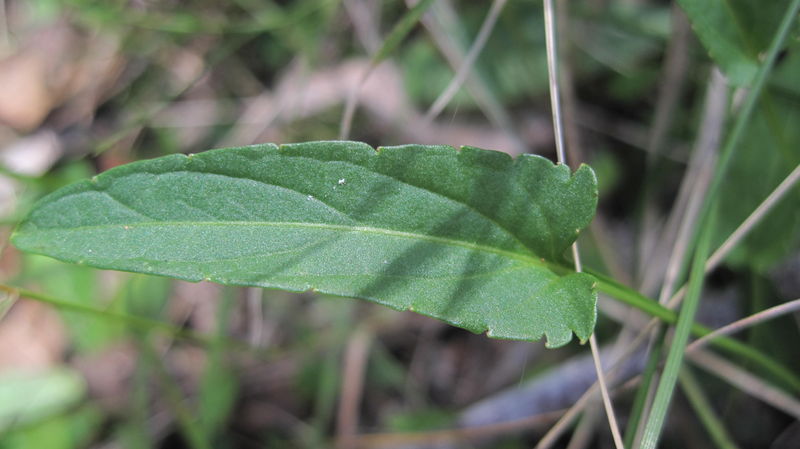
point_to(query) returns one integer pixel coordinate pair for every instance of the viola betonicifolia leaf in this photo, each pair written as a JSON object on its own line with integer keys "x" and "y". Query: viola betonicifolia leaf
{"x": 471, "y": 237}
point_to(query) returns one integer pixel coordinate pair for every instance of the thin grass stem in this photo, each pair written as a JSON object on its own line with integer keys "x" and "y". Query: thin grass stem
{"x": 558, "y": 129}
{"x": 395, "y": 37}
{"x": 188, "y": 423}
{"x": 665, "y": 314}
{"x": 743, "y": 118}
{"x": 696, "y": 181}
{"x": 356, "y": 356}
{"x": 753, "y": 219}
{"x": 744, "y": 323}
{"x": 746, "y": 382}
{"x": 443, "y": 24}
{"x": 7, "y": 300}
{"x": 552, "y": 77}
{"x": 701, "y": 405}
{"x": 469, "y": 61}
{"x": 643, "y": 398}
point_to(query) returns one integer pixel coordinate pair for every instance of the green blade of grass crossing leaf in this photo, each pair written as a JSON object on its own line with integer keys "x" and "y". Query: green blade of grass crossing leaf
{"x": 471, "y": 237}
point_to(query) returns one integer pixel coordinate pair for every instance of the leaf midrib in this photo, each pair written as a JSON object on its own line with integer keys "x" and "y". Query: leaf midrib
{"x": 355, "y": 166}
{"x": 529, "y": 259}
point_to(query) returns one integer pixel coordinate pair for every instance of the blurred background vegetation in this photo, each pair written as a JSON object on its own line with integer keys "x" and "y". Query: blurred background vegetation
{"x": 100, "y": 359}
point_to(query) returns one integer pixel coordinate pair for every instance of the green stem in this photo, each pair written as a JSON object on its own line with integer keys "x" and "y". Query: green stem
{"x": 325, "y": 400}
{"x": 640, "y": 401}
{"x": 633, "y": 298}
{"x": 605, "y": 284}
{"x": 195, "y": 437}
{"x": 726, "y": 155}
{"x": 788, "y": 377}
{"x": 400, "y": 31}
{"x": 134, "y": 321}
{"x": 666, "y": 385}
{"x": 138, "y": 411}
{"x": 699, "y": 401}
{"x": 651, "y": 307}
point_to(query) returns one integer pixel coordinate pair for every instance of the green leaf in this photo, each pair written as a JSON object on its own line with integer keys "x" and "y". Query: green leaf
{"x": 30, "y": 396}
{"x": 735, "y": 32}
{"x": 72, "y": 430}
{"x": 471, "y": 237}
{"x": 770, "y": 150}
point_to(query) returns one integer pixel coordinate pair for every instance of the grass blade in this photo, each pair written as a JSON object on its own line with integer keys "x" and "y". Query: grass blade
{"x": 666, "y": 386}
{"x": 716, "y": 430}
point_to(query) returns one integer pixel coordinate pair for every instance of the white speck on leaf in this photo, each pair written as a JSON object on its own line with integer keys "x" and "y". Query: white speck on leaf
{"x": 342, "y": 181}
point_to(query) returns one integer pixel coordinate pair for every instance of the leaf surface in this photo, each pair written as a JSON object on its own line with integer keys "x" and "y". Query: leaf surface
{"x": 735, "y": 32}
{"x": 770, "y": 150}
{"x": 471, "y": 237}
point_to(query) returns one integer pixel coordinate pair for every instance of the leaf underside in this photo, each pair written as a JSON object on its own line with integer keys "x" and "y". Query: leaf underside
{"x": 471, "y": 237}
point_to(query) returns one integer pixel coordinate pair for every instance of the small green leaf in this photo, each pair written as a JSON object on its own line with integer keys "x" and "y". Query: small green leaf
{"x": 471, "y": 237}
